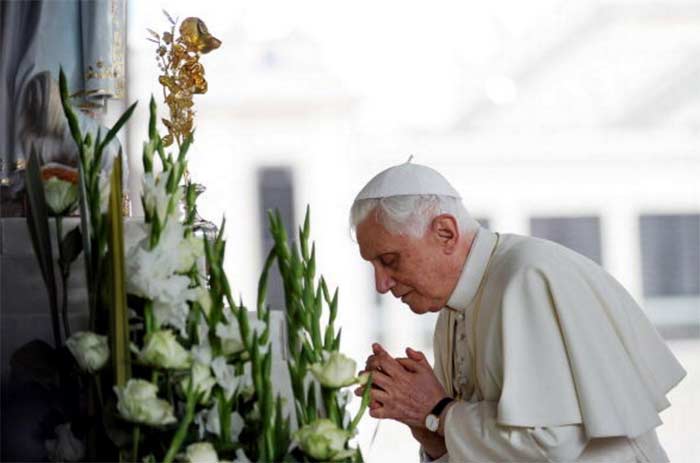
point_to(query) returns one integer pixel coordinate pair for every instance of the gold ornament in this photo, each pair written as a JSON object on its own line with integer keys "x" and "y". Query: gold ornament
{"x": 182, "y": 73}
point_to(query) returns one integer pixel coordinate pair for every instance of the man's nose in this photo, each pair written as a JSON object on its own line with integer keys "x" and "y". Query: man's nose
{"x": 383, "y": 281}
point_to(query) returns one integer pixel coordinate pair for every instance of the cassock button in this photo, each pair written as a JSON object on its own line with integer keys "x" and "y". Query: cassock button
{"x": 460, "y": 317}
{"x": 462, "y": 337}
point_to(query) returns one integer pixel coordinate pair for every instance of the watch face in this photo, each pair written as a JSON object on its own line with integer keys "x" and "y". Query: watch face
{"x": 432, "y": 422}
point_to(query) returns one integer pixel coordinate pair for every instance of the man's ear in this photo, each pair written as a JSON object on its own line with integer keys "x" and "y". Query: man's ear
{"x": 445, "y": 230}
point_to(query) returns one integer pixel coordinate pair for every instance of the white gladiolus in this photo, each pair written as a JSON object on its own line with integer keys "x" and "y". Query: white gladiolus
{"x": 138, "y": 402}
{"x": 336, "y": 371}
{"x": 230, "y": 335}
{"x": 203, "y": 381}
{"x": 90, "y": 350}
{"x": 156, "y": 198}
{"x": 162, "y": 350}
{"x": 230, "y": 382}
{"x": 213, "y": 422}
{"x": 201, "y": 452}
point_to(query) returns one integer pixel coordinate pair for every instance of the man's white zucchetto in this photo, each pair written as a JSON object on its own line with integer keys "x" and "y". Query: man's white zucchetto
{"x": 407, "y": 179}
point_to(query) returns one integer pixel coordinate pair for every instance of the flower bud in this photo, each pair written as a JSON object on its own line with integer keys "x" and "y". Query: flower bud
{"x": 201, "y": 452}
{"x": 90, "y": 350}
{"x": 61, "y": 196}
{"x": 336, "y": 371}
{"x": 323, "y": 441}
{"x": 137, "y": 402}
{"x": 163, "y": 350}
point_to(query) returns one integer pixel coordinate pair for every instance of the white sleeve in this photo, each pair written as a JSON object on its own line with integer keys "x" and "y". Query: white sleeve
{"x": 472, "y": 434}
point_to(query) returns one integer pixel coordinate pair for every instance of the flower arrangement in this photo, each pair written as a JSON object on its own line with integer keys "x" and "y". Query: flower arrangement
{"x": 173, "y": 367}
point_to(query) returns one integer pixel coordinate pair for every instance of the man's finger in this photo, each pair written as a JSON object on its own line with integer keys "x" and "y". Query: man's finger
{"x": 379, "y": 413}
{"x": 380, "y": 396}
{"x": 416, "y": 355}
{"x": 386, "y": 363}
{"x": 381, "y": 380}
{"x": 409, "y": 364}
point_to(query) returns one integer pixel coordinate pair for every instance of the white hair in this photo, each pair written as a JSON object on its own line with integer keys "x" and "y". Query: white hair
{"x": 411, "y": 214}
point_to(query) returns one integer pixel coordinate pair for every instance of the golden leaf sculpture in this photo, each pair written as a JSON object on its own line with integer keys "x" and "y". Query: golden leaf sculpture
{"x": 182, "y": 74}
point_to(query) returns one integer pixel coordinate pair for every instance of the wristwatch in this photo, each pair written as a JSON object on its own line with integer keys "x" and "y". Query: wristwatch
{"x": 432, "y": 421}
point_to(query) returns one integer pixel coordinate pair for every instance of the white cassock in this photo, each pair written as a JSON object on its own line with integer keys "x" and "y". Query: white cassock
{"x": 567, "y": 367}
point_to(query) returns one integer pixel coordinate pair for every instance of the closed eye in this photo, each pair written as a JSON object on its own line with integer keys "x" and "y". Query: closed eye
{"x": 389, "y": 260}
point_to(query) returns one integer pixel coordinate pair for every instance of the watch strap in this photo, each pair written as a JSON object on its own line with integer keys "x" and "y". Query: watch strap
{"x": 440, "y": 406}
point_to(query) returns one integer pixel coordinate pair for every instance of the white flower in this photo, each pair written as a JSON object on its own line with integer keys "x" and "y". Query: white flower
{"x": 336, "y": 371}
{"x": 163, "y": 350}
{"x": 201, "y": 452}
{"x": 156, "y": 198}
{"x": 213, "y": 422}
{"x": 230, "y": 335}
{"x": 201, "y": 353}
{"x": 203, "y": 381}
{"x": 322, "y": 440}
{"x": 174, "y": 315}
{"x": 230, "y": 382}
{"x": 137, "y": 402}
{"x": 204, "y": 299}
{"x": 61, "y": 196}
{"x": 225, "y": 376}
{"x": 90, "y": 350}
{"x": 66, "y": 447}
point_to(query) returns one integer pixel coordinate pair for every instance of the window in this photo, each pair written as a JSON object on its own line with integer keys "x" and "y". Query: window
{"x": 670, "y": 250}
{"x": 582, "y": 234}
{"x": 276, "y": 191}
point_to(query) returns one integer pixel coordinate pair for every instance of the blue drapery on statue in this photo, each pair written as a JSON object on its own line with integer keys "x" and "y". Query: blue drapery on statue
{"x": 85, "y": 37}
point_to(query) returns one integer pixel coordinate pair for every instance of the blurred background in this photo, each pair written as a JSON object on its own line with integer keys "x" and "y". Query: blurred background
{"x": 577, "y": 122}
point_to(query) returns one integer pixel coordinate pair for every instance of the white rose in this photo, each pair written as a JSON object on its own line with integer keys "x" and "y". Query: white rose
{"x": 203, "y": 381}
{"x": 322, "y": 440}
{"x": 163, "y": 350}
{"x": 137, "y": 402}
{"x": 61, "y": 196}
{"x": 336, "y": 371}
{"x": 201, "y": 452}
{"x": 90, "y": 350}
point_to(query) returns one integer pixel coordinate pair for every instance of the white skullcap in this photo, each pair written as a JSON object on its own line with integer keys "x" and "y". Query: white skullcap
{"x": 407, "y": 179}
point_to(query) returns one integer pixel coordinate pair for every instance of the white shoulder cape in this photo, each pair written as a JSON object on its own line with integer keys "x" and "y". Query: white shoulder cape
{"x": 576, "y": 348}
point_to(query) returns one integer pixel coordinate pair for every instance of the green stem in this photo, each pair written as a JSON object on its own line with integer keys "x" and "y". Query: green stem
{"x": 65, "y": 273}
{"x": 148, "y": 316}
{"x": 135, "y": 445}
{"x": 98, "y": 388}
{"x": 176, "y": 443}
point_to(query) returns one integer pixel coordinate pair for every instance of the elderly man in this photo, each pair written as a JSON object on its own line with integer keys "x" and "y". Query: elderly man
{"x": 540, "y": 355}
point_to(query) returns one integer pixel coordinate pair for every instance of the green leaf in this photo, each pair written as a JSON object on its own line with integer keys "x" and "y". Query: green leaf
{"x": 119, "y": 327}
{"x": 71, "y": 245}
{"x": 38, "y": 223}
{"x": 115, "y": 128}
{"x": 68, "y": 111}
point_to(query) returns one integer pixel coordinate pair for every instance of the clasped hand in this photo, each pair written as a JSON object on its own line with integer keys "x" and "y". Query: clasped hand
{"x": 403, "y": 389}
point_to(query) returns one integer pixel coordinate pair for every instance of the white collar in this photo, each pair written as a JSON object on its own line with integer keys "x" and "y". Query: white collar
{"x": 473, "y": 271}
